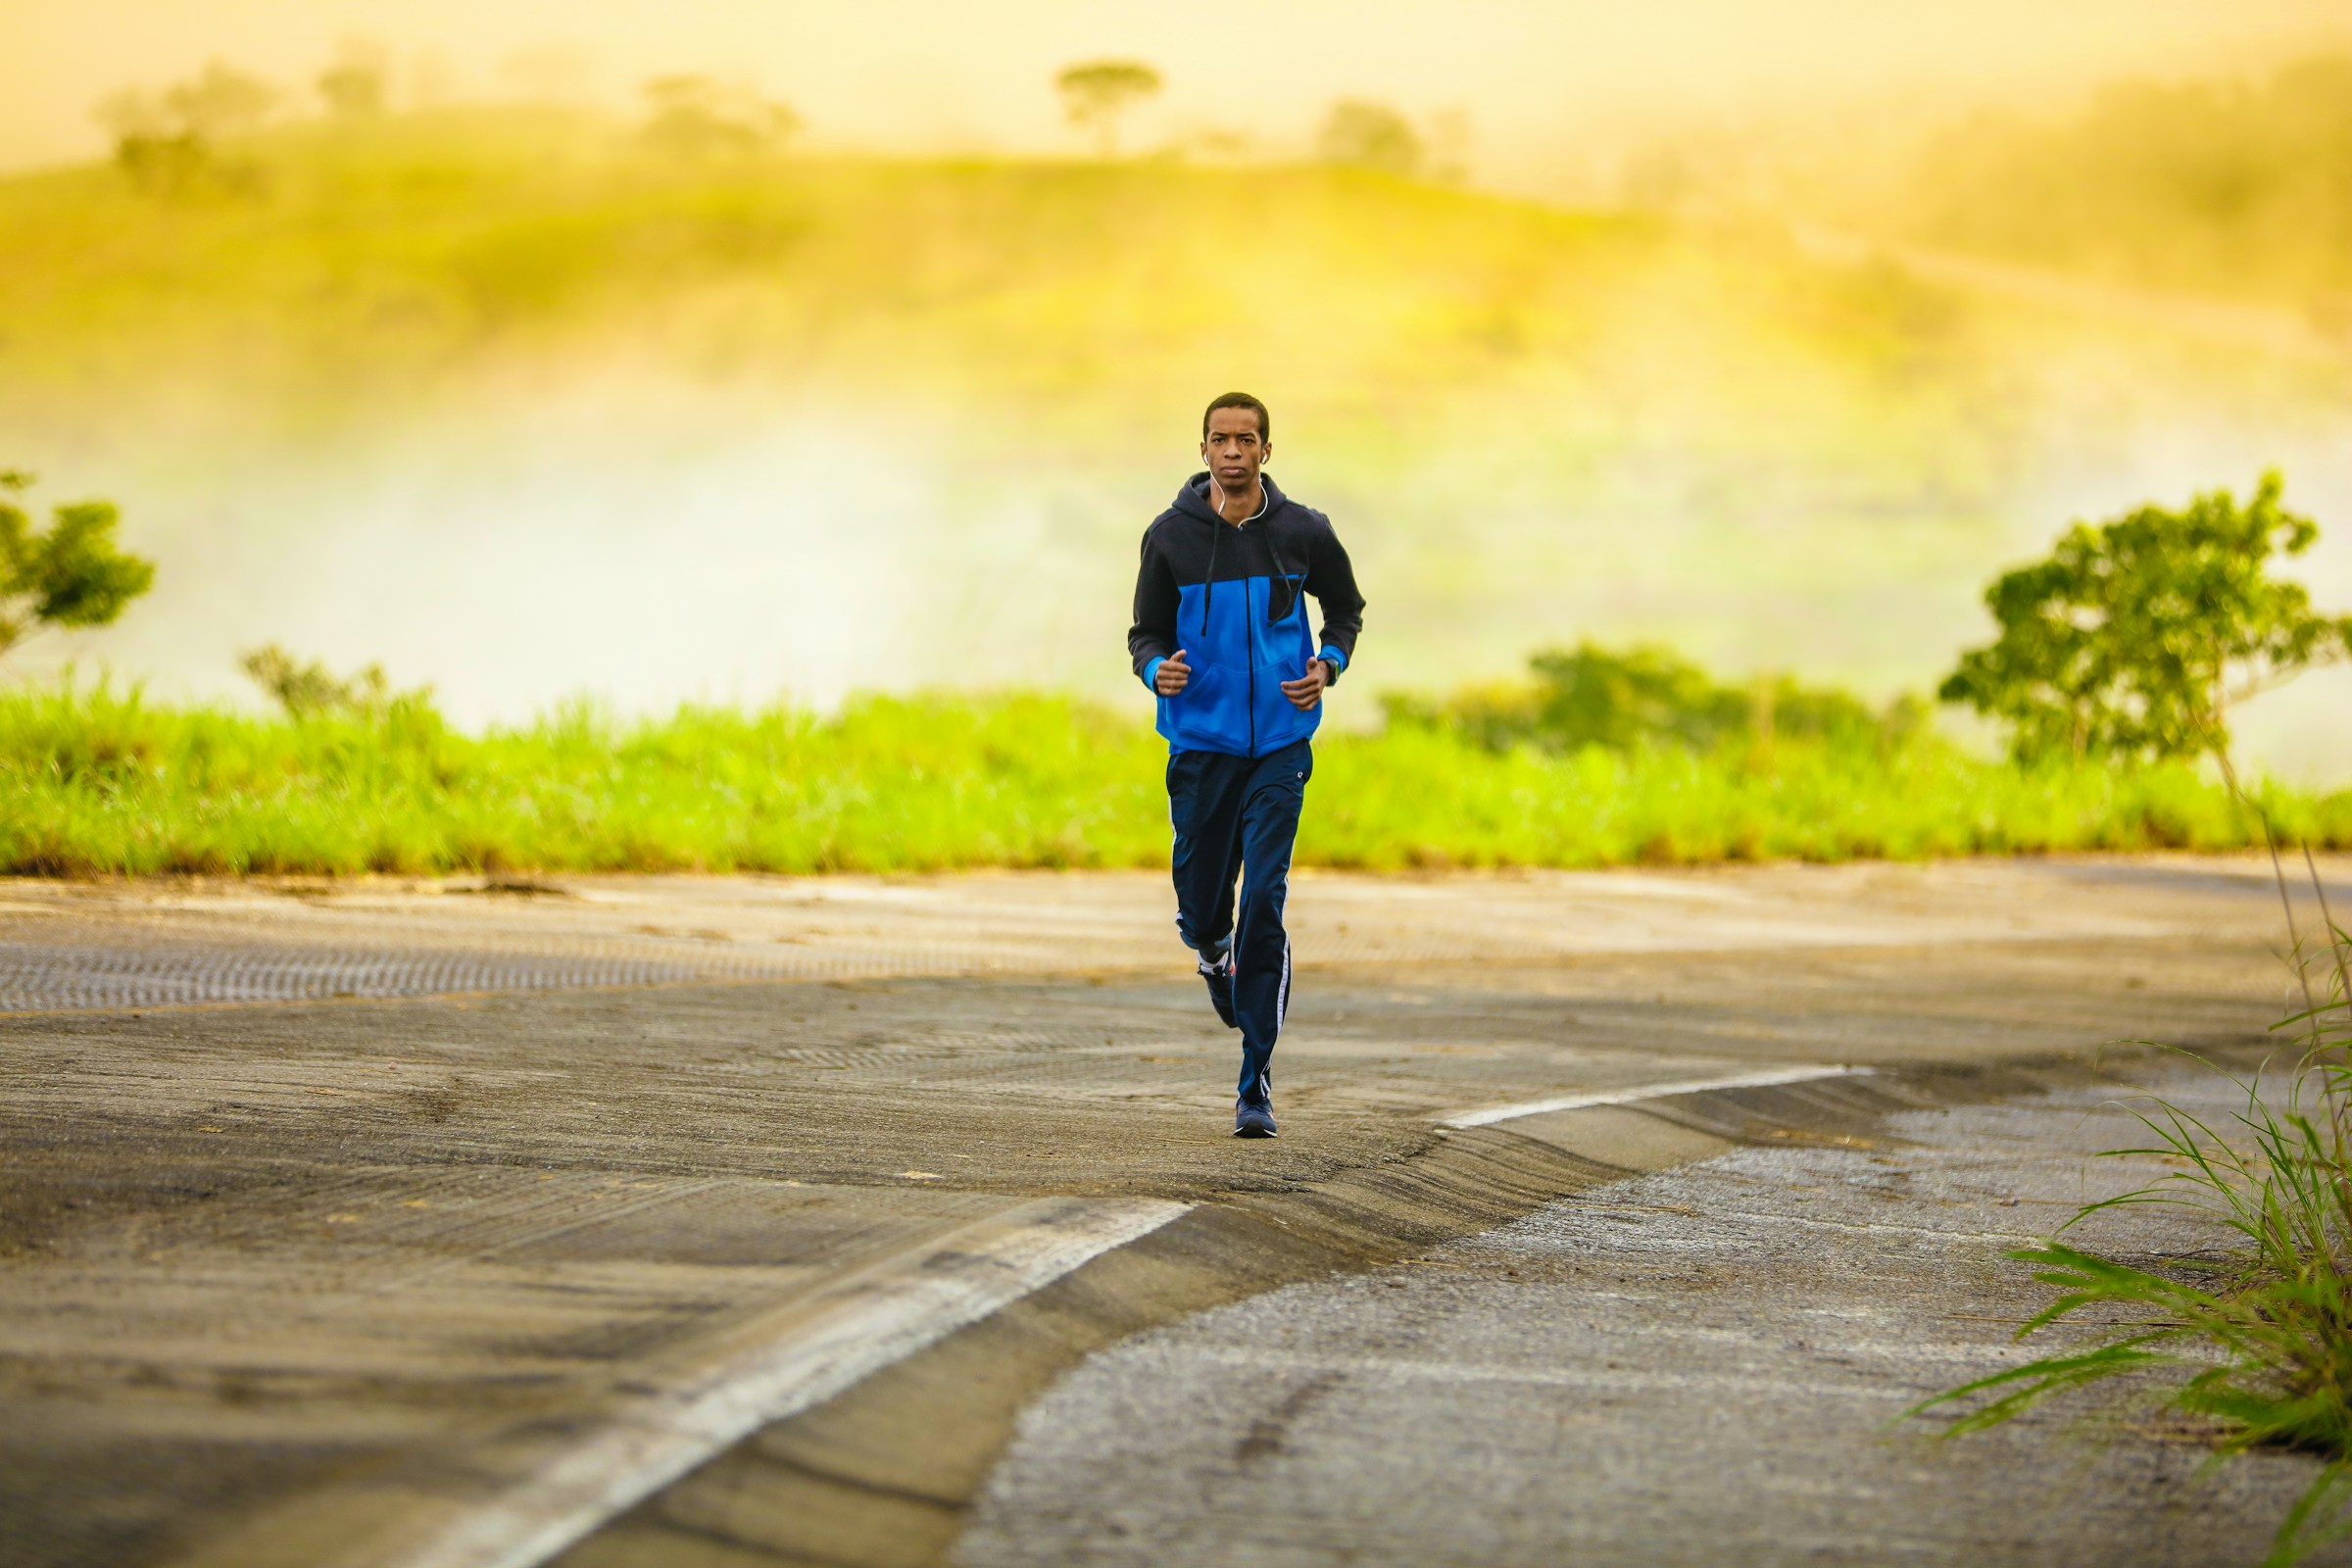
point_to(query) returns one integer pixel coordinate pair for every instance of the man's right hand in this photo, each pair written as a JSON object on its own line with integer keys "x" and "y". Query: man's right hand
{"x": 1170, "y": 677}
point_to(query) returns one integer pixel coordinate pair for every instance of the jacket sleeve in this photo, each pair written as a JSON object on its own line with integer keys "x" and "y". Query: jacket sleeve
{"x": 1331, "y": 578}
{"x": 1152, "y": 636}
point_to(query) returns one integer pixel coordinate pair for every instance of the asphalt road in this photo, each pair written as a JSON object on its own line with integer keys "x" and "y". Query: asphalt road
{"x": 741, "y": 1220}
{"x": 1704, "y": 1365}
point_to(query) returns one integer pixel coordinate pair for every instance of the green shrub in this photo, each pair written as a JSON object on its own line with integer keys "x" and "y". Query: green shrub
{"x": 1647, "y": 696}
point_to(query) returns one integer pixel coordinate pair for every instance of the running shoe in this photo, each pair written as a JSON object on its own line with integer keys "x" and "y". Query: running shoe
{"x": 1252, "y": 1121}
{"x": 1219, "y": 976}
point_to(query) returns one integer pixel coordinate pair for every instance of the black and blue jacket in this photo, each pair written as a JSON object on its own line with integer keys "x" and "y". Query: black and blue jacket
{"x": 1232, "y": 599}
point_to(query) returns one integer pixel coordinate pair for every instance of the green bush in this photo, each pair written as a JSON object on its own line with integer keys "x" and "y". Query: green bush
{"x": 1647, "y": 696}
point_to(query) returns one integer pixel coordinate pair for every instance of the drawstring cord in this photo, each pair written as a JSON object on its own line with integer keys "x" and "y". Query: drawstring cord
{"x": 1209, "y": 589}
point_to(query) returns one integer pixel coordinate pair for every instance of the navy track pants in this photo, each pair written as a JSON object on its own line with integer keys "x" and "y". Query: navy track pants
{"x": 1239, "y": 815}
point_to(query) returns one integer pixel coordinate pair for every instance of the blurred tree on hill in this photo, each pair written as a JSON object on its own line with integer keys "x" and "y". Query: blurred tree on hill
{"x": 1366, "y": 135}
{"x": 165, "y": 141}
{"x": 1096, "y": 94}
{"x": 357, "y": 85}
{"x": 70, "y": 575}
{"x": 2136, "y": 637}
{"x": 696, "y": 116}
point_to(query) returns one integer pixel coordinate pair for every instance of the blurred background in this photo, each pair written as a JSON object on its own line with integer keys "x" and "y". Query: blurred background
{"x": 658, "y": 352}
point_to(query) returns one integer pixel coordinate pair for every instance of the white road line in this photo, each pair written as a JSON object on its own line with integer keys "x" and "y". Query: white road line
{"x": 1639, "y": 1092}
{"x": 876, "y": 1319}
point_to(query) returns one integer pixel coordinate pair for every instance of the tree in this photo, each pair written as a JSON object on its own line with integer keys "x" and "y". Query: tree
{"x": 159, "y": 160}
{"x": 1095, "y": 94}
{"x": 1366, "y": 135}
{"x": 2136, "y": 637}
{"x": 165, "y": 140}
{"x": 695, "y": 117}
{"x": 70, "y": 575}
{"x": 305, "y": 690}
{"x": 355, "y": 85}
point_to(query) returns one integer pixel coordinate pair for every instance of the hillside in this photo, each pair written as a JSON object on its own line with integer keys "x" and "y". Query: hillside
{"x": 381, "y": 259}
{"x": 2219, "y": 186}
{"x": 508, "y": 401}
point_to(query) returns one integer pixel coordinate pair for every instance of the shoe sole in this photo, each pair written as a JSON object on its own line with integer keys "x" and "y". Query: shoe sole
{"x": 1256, "y": 1132}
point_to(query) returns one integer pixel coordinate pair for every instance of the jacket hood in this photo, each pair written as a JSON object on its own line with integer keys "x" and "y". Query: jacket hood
{"x": 1193, "y": 499}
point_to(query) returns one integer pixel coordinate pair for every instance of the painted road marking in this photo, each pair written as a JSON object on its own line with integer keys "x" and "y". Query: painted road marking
{"x": 1639, "y": 1092}
{"x": 863, "y": 1323}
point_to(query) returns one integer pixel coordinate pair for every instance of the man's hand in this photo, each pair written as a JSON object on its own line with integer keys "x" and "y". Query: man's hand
{"x": 1307, "y": 689}
{"x": 1172, "y": 674}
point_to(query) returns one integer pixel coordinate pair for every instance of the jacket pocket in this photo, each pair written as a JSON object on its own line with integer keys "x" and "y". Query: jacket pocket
{"x": 1281, "y": 653}
{"x": 1279, "y": 724}
{"x": 1212, "y": 711}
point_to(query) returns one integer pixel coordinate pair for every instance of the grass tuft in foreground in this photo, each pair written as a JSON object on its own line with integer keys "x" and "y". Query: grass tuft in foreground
{"x": 2260, "y": 1342}
{"x": 95, "y": 781}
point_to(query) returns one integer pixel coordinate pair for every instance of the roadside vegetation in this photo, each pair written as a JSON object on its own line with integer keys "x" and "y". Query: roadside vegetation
{"x": 2117, "y": 664}
{"x": 95, "y": 781}
{"x": 2134, "y": 639}
{"x": 2251, "y": 1337}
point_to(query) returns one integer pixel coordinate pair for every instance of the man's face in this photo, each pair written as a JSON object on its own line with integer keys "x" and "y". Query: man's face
{"x": 1234, "y": 450}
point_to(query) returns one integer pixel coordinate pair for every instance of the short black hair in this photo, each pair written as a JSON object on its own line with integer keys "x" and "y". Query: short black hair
{"x": 1239, "y": 399}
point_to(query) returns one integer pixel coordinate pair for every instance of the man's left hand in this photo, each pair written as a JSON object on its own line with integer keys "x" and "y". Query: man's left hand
{"x": 1307, "y": 689}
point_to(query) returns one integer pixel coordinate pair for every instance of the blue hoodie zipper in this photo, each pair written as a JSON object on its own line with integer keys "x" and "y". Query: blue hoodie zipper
{"x": 1250, "y": 643}
{"x": 1209, "y": 589}
{"x": 1250, "y": 613}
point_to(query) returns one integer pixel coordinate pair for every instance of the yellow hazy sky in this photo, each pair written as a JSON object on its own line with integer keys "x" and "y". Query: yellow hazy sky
{"x": 904, "y": 73}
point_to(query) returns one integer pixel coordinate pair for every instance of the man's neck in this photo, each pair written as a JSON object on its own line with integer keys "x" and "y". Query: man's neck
{"x": 1236, "y": 509}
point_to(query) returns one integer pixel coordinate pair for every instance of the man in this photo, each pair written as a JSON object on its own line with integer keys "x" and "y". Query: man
{"x": 1220, "y": 636}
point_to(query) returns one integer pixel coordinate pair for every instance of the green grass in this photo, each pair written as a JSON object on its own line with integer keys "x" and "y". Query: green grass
{"x": 97, "y": 782}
